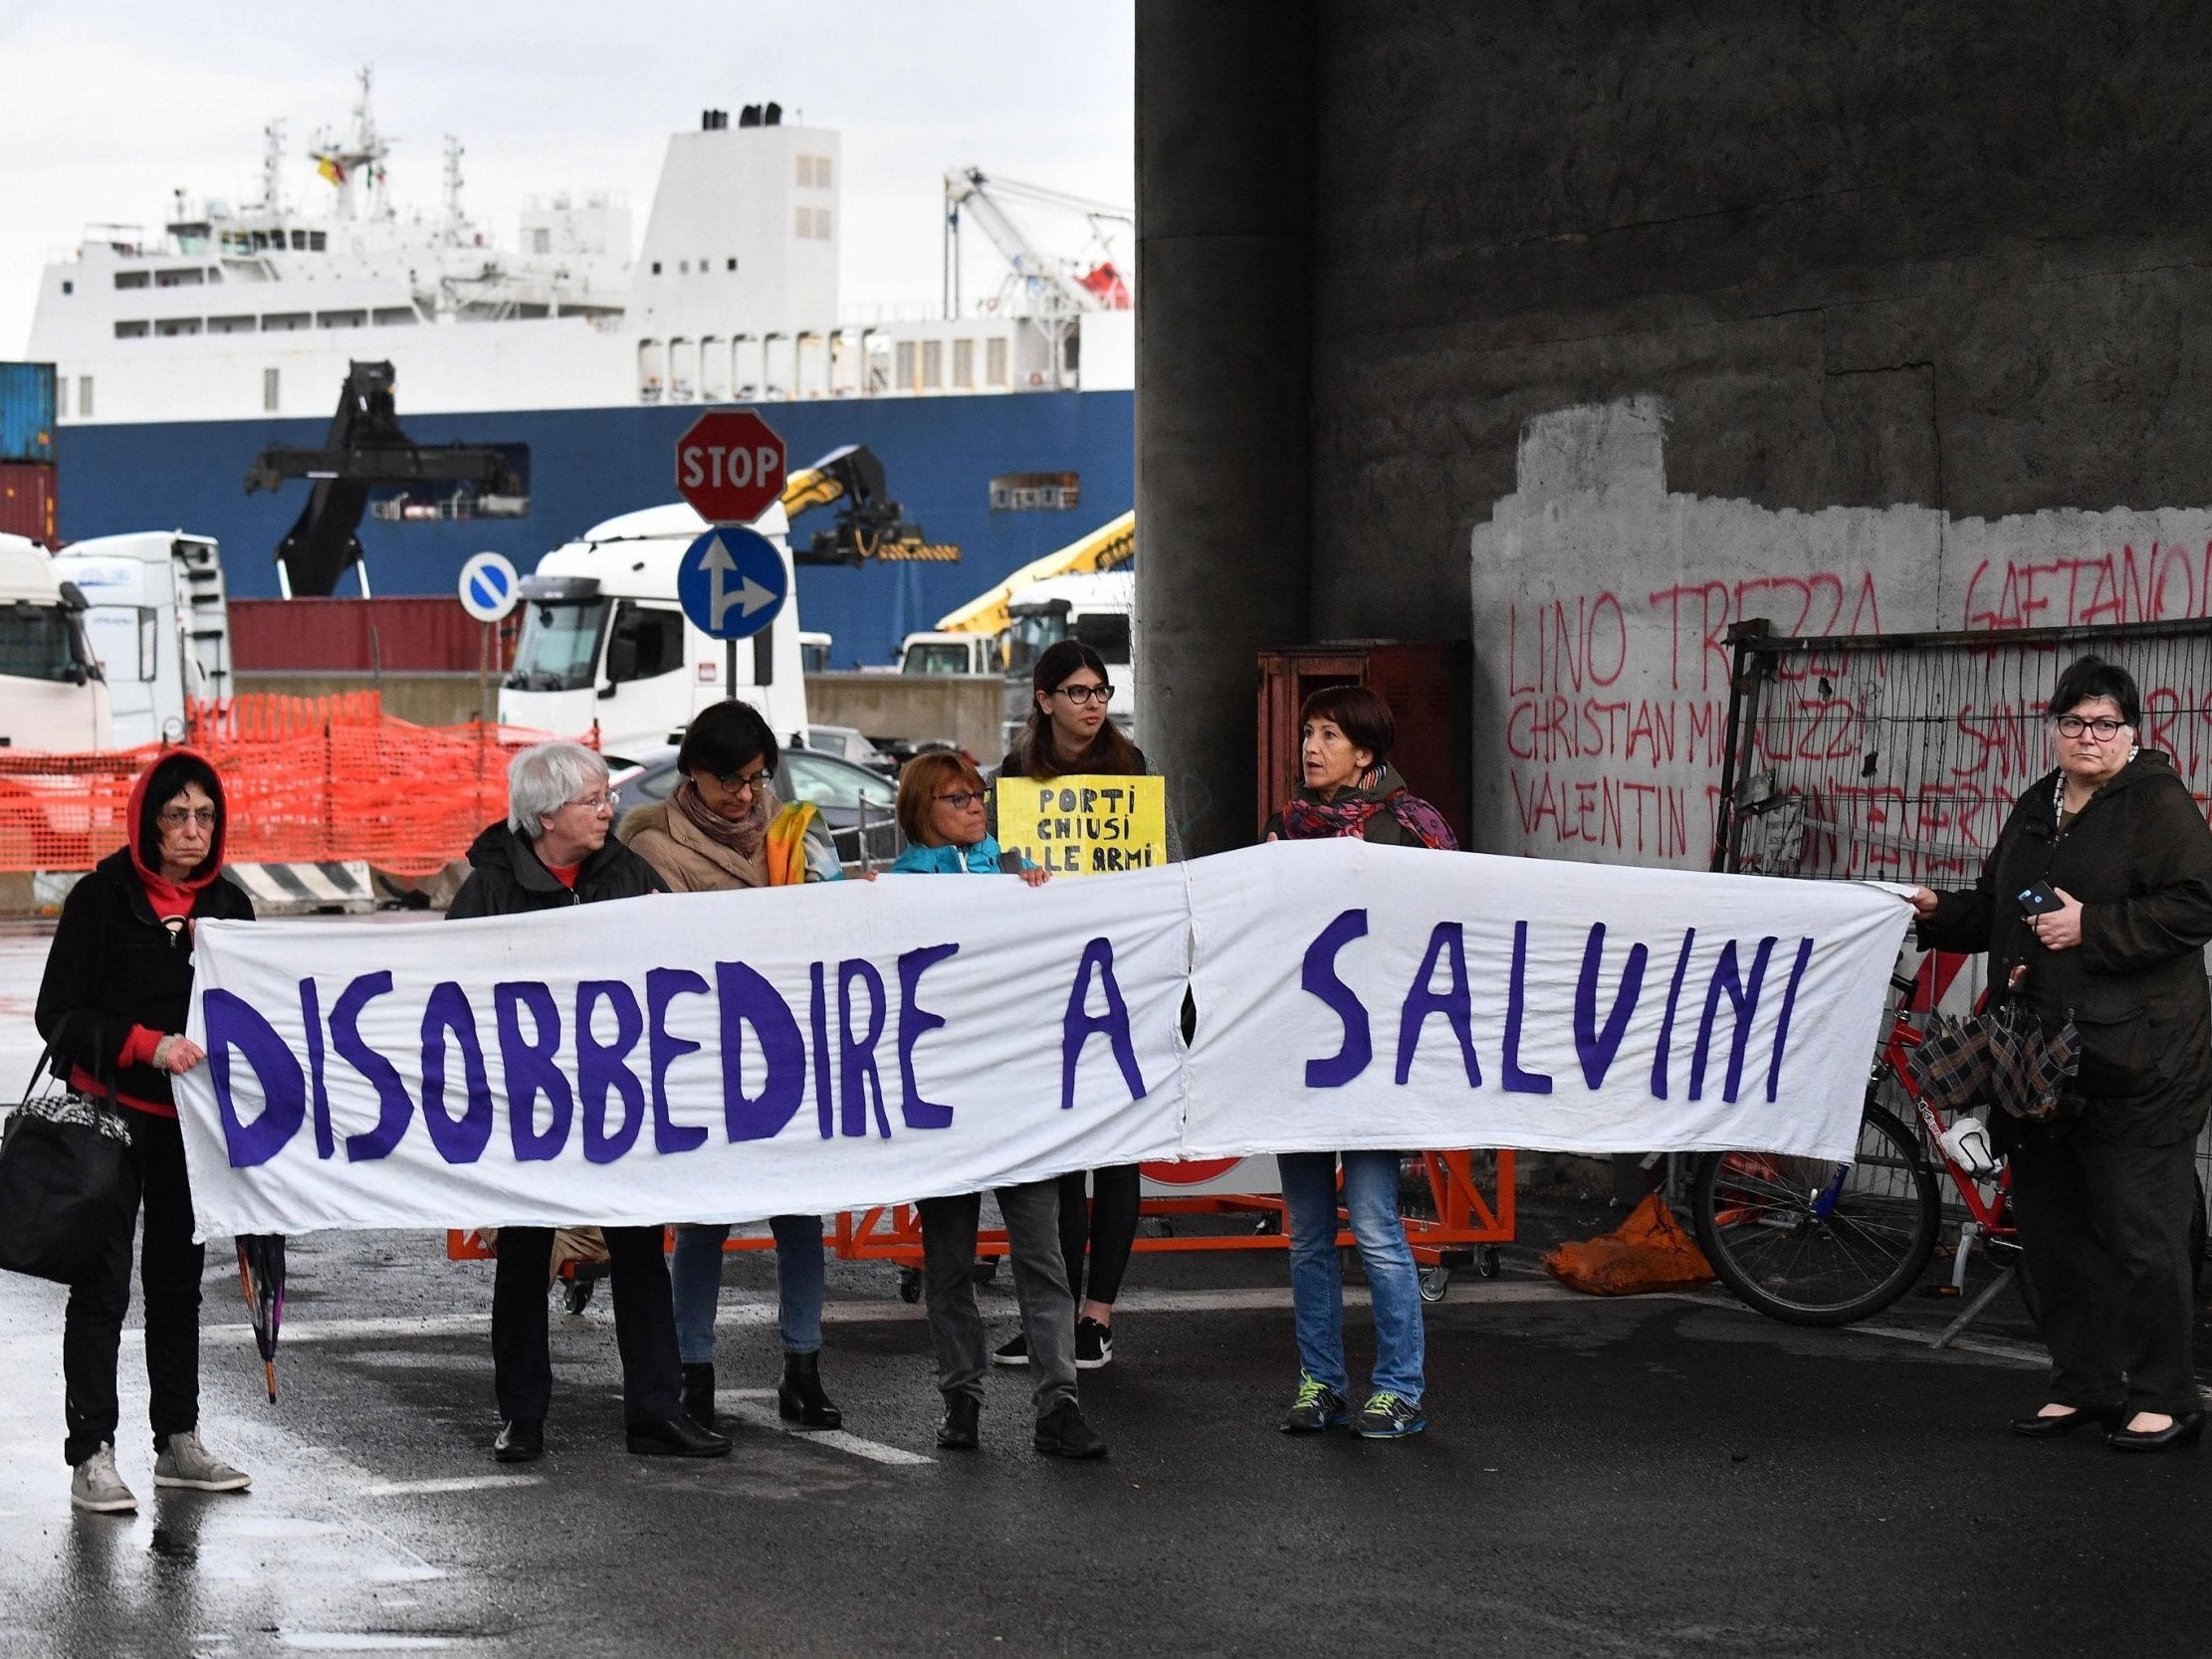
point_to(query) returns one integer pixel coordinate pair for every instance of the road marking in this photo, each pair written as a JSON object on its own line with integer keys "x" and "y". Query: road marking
{"x": 451, "y": 1483}
{"x": 760, "y": 1416}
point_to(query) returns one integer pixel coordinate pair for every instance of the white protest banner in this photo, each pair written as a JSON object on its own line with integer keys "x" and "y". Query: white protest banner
{"x": 698, "y": 1057}
{"x": 1389, "y": 997}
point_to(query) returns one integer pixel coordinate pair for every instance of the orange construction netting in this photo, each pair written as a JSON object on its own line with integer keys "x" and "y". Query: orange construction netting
{"x": 307, "y": 781}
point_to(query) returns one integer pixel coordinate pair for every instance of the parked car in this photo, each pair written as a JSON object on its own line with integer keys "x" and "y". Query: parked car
{"x": 859, "y": 805}
{"x": 848, "y": 743}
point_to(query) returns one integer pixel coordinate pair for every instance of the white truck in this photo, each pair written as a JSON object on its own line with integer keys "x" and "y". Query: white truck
{"x": 52, "y": 696}
{"x": 1097, "y": 610}
{"x": 605, "y": 642}
{"x": 159, "y": 626}
{"x": 937, "y": 651}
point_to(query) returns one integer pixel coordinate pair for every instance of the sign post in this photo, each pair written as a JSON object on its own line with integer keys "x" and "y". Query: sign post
{"x": 730, "y": 466}
{"x": 489, "y": 589}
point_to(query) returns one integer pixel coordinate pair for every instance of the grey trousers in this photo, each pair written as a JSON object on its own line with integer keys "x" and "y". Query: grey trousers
{"x": 1032, "y": 1213}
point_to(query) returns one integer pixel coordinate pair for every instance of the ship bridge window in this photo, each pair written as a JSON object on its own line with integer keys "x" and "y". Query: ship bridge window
{"x": 649, "y": 370}
{"x": 132, "y": 331}
{"x": 541, "y": 239}
{"x": 904, "y": 373}
{"x": 560, "y": 646}
{"x": 964, "y": 363}
{"x": 391, "y": 317}
{"x": 283, "y": 323}
{"x": 133, "y": 279}
{"x": 317, "y": 241}
{"x": 190, "y": 275}
{"x": 169, "y": 326}
{"x": 83, "y": 397}
{"x": 933, "y": 365}
{"x": 299, "y": 240}
{"x": 232, "y": 325}
{"x": 341, "y": 319}
{"x": 995, "y": 363}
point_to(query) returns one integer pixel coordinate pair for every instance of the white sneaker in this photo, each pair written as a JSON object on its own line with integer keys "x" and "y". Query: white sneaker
{"x": 95, "y": 1485}
{"x": 185, "y": 1462}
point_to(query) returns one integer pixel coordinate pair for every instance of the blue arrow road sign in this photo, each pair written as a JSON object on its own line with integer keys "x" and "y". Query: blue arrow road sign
{"x": 732, "y": 582}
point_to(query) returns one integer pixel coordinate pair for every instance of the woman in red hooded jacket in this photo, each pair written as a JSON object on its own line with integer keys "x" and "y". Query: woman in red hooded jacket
{"x": 112, "y": 1004}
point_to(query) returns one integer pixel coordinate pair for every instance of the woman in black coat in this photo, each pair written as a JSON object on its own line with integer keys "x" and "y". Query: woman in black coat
{"x": 2103, "y": 1192}
{"x": 114, "y": 1003}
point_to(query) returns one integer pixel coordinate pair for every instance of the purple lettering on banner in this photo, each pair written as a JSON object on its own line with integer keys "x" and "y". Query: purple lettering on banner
{"x": 1781, "y": 1025}
{"x": 1318, "y": 978}
{"x": 663, "y": 1047}
{"x": 1519, "y": 1080}
{"x": 533, "y": 1069}
{"x": 1597, "y": 1048}
{"x": 858, "y": 1086}
{"x": 311, "y": 1015}
{"x": 818, "y": 1019}
{"x": 1666, "y": 1026}
{"x": 915, "y": 1021}
{"x": 1080, "y": 1024}
{"x": 1743, "y": 999}
{"x": 750, "y": 1000}
{"x": 1448, "y": 944}
{"x": 459, "y": 1140}
{"x": 233, "y": 1023}
{"x": 603, "y": 1069}
{"x": 395, "y": 1107}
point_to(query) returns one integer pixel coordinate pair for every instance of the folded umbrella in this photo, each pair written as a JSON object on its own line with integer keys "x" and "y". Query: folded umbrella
{"x": 261, "y": 1272}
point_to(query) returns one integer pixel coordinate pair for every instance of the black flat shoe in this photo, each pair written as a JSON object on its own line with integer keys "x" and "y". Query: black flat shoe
{"x": 519, "y": 1440}
{"x": 2051, "y": 1428}
{"x": 679, "y": 1436}
{"x": 956, "y": 1431}
{"x": 2186, "y": 1430}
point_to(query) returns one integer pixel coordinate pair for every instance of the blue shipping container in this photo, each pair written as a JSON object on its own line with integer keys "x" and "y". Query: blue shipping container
{"x": 27, "y": 412}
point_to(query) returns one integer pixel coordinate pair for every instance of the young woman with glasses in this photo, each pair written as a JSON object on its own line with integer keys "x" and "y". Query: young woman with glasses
{"x": 1068, "y": 733}
{"x": 725, "y": 829}
{"x": 941, "y": 801}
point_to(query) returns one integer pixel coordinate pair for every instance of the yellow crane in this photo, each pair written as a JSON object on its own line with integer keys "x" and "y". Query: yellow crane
{"x": 1108, "y": 548}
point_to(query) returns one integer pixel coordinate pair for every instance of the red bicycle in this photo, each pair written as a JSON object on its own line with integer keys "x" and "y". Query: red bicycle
{"x": 1812, "y": 1242}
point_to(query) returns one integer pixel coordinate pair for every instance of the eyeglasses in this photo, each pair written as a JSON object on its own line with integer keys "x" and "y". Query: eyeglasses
{"x": 962, "y": 798}
{"x": 601, "y": 802}
{"x": 733, "y": 782}
{"x": 2103, "y": 731}
{"x": 176, "y": 817}
{"x": 1086, "y": 694}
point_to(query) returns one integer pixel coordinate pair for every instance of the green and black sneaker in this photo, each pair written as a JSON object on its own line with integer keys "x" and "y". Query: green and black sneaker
{"x": 1388, "y": 1417}
{"x": 1317, "y": 1407}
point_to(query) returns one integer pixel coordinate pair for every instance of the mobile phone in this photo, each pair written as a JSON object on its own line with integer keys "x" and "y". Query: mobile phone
{"x": 2039, "y": 900}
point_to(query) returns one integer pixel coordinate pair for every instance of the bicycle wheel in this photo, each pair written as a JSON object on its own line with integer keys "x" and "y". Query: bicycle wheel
{"x": 1812, "y": 1242}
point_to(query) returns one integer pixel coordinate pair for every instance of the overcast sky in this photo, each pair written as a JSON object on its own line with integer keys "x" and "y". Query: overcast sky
{"x": 115, "y": 103}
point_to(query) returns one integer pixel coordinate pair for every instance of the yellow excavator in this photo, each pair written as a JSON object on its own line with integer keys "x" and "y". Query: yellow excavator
{"x": 869, "y": 527}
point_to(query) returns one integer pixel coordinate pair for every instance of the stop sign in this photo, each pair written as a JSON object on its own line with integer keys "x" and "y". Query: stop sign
{"x": 729, "y": 466}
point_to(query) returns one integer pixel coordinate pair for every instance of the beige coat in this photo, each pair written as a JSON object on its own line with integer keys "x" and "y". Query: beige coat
{"x": 688, "y": 860}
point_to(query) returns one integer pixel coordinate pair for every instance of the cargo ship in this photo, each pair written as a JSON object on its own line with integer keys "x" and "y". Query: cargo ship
{"x": 1003, "y": 423}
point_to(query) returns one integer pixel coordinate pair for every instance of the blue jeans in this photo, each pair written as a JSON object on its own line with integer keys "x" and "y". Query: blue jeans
{"x": 695, "y": 1274}
{"x": 1317, "y": 1283}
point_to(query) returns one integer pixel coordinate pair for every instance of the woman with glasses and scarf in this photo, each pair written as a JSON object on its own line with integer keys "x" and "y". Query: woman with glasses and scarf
{"x": 1068, "y": 734}
{"x": 1349, "y": 789}
{"x": 725, "y": 830}
{"x": 2096, "y": 902}
{"x": 114, "y": 1003}
{"x": 942, "y": 799}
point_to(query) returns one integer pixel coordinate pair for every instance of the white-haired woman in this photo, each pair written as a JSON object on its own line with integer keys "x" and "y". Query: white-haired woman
{"x": 553, "y": 851}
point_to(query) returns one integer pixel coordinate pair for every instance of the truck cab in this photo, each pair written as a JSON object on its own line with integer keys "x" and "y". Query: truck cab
{"x": 1097, "y": 610}
{"x": 51, "y": 695}
{"x": 605, "y": 642}
{"x": 948, "y": 652}
{"x": 160, "y": 625}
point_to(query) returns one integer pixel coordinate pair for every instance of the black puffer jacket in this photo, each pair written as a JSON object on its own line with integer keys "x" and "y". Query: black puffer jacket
{"x": 2138, "y": 857}
{"x": 508, "y": 880}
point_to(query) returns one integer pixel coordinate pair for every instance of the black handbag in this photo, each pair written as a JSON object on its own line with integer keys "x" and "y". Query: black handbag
{"x": 69, "y": 1186}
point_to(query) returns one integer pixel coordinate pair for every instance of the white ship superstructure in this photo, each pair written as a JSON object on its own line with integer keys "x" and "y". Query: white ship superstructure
{"x": 237, "y": 313}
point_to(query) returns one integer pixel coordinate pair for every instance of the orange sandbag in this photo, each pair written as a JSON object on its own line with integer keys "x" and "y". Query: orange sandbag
{"x": 1647, "y": 1252}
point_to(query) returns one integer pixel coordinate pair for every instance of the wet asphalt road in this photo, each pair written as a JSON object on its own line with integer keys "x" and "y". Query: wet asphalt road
{"x": 1640, "y": 1476}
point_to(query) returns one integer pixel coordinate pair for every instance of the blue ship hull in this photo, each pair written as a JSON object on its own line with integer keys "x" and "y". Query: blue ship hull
{"x": 585, "y": 465}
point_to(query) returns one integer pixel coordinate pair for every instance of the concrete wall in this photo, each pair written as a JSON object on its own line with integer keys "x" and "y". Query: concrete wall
{"x": 422, "y": 699}
{"x": 968, "y": 708}
{"x": 1890, "y": 314}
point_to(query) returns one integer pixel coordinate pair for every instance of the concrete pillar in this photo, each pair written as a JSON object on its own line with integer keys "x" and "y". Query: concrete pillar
{"x": 1224, "y": 263}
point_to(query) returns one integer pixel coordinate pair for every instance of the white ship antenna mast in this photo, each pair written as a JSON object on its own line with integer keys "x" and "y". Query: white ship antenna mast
{"x": 359, "y": 163}
{"x": 454, "y": 231}
{"x": 272, "y": 168}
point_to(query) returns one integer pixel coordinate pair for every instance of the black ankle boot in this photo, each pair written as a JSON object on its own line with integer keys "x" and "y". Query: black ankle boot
{"x": 800, "y": 1397}
{"x": 699, "y": 1395}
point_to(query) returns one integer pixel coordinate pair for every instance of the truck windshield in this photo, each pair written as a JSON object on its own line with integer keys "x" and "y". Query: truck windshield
{"x": 559, "y": 649}
{"x": 1105, "y": 632}
{"x": 39, "y": 642}
{"x": 1029, "y": 633}
{"x": 941, "y": 657}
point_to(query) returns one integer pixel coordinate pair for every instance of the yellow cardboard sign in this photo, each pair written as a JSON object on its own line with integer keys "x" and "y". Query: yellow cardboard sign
{"x": 1086, "y": 825}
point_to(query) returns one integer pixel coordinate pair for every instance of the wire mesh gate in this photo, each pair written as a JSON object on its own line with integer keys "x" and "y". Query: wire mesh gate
{"x": 1897, "y": 757}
